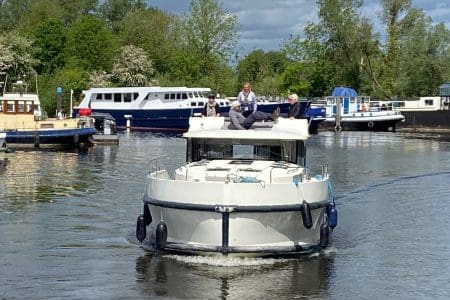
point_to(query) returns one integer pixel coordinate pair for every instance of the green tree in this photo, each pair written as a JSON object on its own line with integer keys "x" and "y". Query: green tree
{"x": 11, "y": 12}
{"x": 311, "y": 51}
{"x": 422, "y": 59}
{"x": 113, "y": 11}
{"x": 90, "y": 44}
{"x": 132, "y": 67}
{"x": 296, "y": 79}
{"x": 155, "y": 32}
{"x": 49, "y": 41}
{"x": 74, "y": 9}
{"x": 75, "y": 79}
{"x": 262, "y": 70}
{"x": 210, "y": 32}
{"x": 392, "y": 12}
{"x": 16, "y": 56}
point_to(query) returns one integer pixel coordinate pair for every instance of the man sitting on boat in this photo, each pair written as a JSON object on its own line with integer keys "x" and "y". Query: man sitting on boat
{"x": 238, "y": 121}
{"x": 294, "y": 106}
{"x": 211, "y": 108}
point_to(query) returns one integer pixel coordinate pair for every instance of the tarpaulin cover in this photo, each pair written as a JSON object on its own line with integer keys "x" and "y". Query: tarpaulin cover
{"x": 340, "y": 91}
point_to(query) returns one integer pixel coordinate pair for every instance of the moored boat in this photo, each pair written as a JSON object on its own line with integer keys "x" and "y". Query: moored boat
{"x": 345, "y": 110}
{"x": 240, "y": 192}
{"x": 23, "y": 121}
{"x": 154, "y": 108}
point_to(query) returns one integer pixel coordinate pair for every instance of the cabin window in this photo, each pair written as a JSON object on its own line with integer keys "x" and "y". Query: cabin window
{"x": 21, "y": 106}
{"x": 429, "y": 102}
{"x": 117, "y": 97}
{"x": 195, "y": 94}
{"x": 193, "y": 103}
{"x": 136, "y": 95}
{"x": 199, "y": 149}
{"x": 166, "y": 96}
{"x": 11, "y": 106}
{"x": 99, "y": 97}
{"x": 221, "y": 104}
{"x": 184, "y": 96}
{"x": 178, "y": 96}
{"x": 107, "y": 97}
{"x": 201, "y": 103}
{"x": 191, "y": 95}
{"x": 173, "y": 96}
{"x": 29, "y": 107}
{"x": 127, "y": 97}
{"x": 147, "y": 97}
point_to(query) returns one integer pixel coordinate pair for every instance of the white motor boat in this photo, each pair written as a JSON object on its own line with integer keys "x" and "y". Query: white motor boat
{"x": 347, "y": 111}
{"x": 240, "y": 192}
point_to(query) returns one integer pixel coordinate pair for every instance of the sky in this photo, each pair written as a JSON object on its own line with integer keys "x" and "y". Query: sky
{"x": 267, "y": 24}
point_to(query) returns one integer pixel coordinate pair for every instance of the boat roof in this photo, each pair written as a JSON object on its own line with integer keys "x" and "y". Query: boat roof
{"x": 17, "y": 96}
{"x": 216, "y": 128}
{"x": 146, "y": 89}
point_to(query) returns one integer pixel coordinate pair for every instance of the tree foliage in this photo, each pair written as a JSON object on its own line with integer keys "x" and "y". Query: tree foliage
{"x": 132, "y": 68}
{"x": 113, "y": 11}
{"x": 155, "y": 32}
{"x": 90, "y": 44}
{"x": 15, "y": 59}
{"x": 77, "y": 43}
{"x": 49, "y": 38}
{"x": 210, "y": 32}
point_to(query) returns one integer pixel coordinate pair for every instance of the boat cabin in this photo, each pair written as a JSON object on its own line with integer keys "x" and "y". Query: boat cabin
{"x": 243, "y": 150}
{"x": 19, "y": 102}
{"x": 141, "y": 97}
{"x": 282, "y": 141}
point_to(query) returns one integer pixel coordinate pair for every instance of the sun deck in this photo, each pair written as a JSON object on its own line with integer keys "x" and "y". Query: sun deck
{"x": 216, "y": 128}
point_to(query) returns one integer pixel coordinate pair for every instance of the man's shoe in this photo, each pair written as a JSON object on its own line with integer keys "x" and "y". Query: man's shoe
{"x": 275, "y": 114}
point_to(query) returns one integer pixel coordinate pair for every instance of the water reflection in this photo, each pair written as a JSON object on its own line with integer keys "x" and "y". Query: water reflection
{"x": 233, "y": 278}
{"x": 46, "y": 175}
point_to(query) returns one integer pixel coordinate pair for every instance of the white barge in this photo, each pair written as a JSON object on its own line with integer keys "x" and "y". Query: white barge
{"x": 240, "y": 192}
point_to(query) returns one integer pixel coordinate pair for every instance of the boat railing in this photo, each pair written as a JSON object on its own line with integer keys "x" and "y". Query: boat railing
{"x": 155, "y": 166}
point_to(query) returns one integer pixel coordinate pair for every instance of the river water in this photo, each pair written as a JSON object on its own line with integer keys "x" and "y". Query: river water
{"x": 67, "y": 223}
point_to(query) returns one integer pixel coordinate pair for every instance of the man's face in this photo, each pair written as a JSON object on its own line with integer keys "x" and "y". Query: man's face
{"x": 210, "y": 99}
{"x": 291, "y": 100}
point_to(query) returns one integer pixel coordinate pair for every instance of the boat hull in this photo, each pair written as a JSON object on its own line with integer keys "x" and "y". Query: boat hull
{"x": 245, "y": 231}
{"x": 68, "y": 137}
{"x": 426, "y": 119}
{"x": 243, "y": 219}
{"x": 363, "y": 123}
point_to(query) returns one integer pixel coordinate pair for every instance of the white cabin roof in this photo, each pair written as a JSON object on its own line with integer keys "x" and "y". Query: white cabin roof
{"x": 20, "y": 97}
{"x": 144, "y": 89}
{"x": 216, "y": 128}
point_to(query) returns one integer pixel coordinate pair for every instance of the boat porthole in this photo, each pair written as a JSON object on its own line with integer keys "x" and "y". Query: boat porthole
{"x": 370, "y": 124}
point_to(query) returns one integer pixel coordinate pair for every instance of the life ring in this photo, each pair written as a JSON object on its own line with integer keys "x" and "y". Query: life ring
{"x": 370, "y": 124}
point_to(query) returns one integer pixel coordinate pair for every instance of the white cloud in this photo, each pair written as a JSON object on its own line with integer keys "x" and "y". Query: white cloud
{"x": 265, "y": 24}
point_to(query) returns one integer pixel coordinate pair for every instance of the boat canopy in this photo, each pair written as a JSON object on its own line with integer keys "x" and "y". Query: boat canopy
{"x": 340, "y": 91}
{"x": 216, "y": 128}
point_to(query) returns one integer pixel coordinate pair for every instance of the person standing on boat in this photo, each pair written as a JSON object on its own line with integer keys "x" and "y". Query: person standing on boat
{"x": 211, "y": 108}
{"x": 247, "y": 100}
{"x": 364, "y": 106}
{"x": 294, "y": 107}
{"x": 239, "y": 122}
